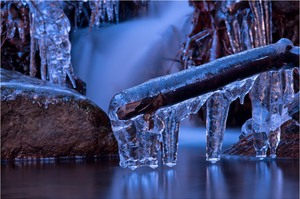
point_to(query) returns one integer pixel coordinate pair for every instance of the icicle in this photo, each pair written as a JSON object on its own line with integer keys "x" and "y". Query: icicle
{"x": 275, "y": 111}
{"x": 50, "y": 26}
{"x": 288, "y": 92}
{"x": 10, "y": 26}
{"x": 170, "y": 136}
{"x": 262, "y": 22}
{"x": 171, "y": 117}
{"x": 269, "y": 95}
{"x": 246, "y": 31}
{"x": 99, "y": 14}
{"x": 138, "y": 141}
{"x": 268, "y": 20}
{"x": 237, "y": 33}
{"x": 43, "y": 56}
{"x": 231, "y": 35}
{"x": 33, "y": 44}
{"x": 116, "y": 10}
{"x": 260, "y": 114}
{"x": 102, "y": 8}
{"x": 288, "y": 83}
{"x": 110, "y": 10}
{"x": 217, "y": 108}
{"x": 232, "y": 25}
{"x": 214, "y": 48}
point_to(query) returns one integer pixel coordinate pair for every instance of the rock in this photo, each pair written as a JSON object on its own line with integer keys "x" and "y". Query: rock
{"x": 39, "y": 119}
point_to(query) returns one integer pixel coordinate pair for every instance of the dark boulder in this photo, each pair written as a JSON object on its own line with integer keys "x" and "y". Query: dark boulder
{"x": 39, "y": 119}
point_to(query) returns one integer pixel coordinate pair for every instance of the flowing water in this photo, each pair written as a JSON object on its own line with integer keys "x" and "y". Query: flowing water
{"x": 117, "y": 57}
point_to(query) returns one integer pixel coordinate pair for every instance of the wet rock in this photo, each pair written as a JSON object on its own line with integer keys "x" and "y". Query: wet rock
{"x": 39, "y": 119}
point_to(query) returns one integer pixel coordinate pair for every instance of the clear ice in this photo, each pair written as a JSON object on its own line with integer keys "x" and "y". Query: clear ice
{"x": 102, "y": 11}
{"x": 49, "y": 33}
{"x": 271, "y": 93}
{"x": 140, "y": 138}
{"x": 250, "y": 27}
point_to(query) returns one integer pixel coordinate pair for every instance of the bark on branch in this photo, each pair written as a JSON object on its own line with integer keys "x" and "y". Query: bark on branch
{"x": 174, "y": 88}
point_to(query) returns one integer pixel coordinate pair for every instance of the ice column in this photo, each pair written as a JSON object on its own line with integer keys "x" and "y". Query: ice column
{"x": 281, "y": 94}
{"x": 271, "y": 93}
{"x": 51, "y": 29}
{"x": 288, "y": 88}
{"x": 139, "y": 142}
{"x": 170, "y": 137}
{"x": 275, "y": 111}
{"x": 217, "y": 107}
{"x": 171, "y": 117}
{"x": 260, "y": 114}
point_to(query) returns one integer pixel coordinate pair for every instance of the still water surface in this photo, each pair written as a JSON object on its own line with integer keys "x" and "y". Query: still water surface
{"x": 193, "y": 177}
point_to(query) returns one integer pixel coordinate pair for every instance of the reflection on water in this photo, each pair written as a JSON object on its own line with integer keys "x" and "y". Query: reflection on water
{"x": 214, "y": 177}
{"x": 258, "y": 180}
{"x": 193, "y": 177}
{"x": 136, "y": 185}
{"x": 231, "y": 178}
{"x": 144, "y": 183}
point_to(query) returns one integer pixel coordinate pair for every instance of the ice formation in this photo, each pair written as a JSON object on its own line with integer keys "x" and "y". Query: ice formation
{"x": 139, "y": 137}
{"x": 14, "y": 22}
{"x": 50, "y": 28}
{"x": 250, "y": 27}
{"x": 164, "y": 127}
{"x": 103, "y": 10}
{"x": 162, "y": 124}
{"x": 271, "y": 93}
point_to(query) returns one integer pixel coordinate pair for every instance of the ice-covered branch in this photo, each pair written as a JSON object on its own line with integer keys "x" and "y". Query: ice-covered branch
{"x": 151, "y": 112}
{"x": 172, "y": 89}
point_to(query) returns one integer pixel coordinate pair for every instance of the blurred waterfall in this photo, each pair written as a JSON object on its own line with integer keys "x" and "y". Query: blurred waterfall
{"x": 116, "y": 57}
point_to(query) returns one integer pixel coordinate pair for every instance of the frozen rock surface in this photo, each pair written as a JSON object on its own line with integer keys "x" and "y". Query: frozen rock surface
{"x": 39, "y": 120}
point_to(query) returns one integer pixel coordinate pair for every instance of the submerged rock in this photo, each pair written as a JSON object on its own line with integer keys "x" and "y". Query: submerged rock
{"x": 39, "y": 119}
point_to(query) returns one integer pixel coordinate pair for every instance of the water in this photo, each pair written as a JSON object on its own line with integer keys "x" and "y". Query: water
{"x": 193, "y": 177}
{"x": 117, "y": 57}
